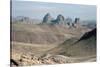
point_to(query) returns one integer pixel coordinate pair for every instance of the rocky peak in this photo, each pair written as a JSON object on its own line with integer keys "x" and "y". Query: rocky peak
{"x": 77, "y": 20}
{"x": 76, "y": 23}
{"x": 47, "y": 18}
{"x": 69, "y": 21}
{"x": 60, "y": 19}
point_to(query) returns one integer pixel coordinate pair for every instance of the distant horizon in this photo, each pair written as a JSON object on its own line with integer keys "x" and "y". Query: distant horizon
{"x": 37, "y": 10}
{"x": 54, "y": 18}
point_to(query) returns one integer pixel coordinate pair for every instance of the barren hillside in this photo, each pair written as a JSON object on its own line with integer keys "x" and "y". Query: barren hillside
{"x": 51, "y": 44}
{"x": 85, "y": 46}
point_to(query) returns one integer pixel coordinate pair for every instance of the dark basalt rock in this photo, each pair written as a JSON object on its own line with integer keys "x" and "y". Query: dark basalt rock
{"x": 47, "y": 18}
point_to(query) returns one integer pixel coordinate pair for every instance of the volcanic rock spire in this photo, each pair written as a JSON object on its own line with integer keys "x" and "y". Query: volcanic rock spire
{"x": 47, "y": 18}
{"x": 60, "y": 19}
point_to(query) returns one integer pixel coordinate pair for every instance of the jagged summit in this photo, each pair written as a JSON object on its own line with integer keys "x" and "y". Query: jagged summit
{"x": 47, "y": 18}
{"x": 60, "y": 19}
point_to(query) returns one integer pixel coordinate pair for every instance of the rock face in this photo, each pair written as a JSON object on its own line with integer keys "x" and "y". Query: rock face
{"x": 60, "y": 19}
{"x": 76, "y": 23}
{"x": 47, "y": 18}
{"x": 68, "y": 22}
{"x": 76, "y": 20}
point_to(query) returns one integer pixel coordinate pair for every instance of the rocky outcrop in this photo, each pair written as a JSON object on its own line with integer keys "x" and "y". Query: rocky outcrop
{"x": 60, "y": 19}
{"x": 51, "y": 59}
{"x": 47, "y": 18}
{"x": 77, "y": 20}
{"x": 76, "y": 23}
{"x": 68, "y": 22}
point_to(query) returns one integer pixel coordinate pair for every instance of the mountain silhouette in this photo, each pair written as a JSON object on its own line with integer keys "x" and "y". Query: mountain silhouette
{"x": 47, "y": 18}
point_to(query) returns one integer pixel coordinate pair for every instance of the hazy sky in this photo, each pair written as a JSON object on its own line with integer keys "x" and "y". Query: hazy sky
{"x": 39, "y": 9}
